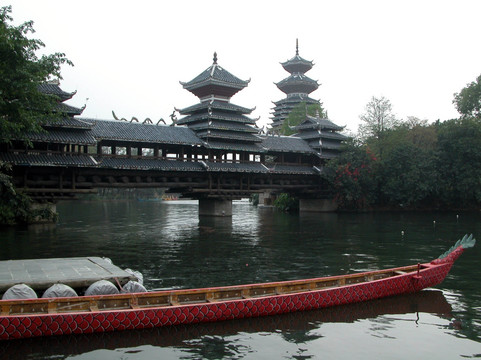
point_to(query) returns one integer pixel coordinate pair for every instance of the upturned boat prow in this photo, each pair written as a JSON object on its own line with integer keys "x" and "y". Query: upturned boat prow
{"x": 23, "y": 318}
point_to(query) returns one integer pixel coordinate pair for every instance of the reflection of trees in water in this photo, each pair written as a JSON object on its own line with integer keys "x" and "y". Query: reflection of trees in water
{"x": 215, "y": 347}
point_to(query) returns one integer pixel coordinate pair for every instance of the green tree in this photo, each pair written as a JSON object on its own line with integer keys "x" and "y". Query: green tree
{"x": 422, "y": 166}
{"x": 298, "y": 115}
{"x": 353, "y": 176}
{"x": 460, "y": 162}
{"x": 22, "y": 107}
{"x": 408, "y": 177}
{"x": 377, "y": 118}
{"x": 420, "y": 133}
{"x": 468, "y": 100}
{"x": 15, "y": 207}
{"x": 286, "y": 202}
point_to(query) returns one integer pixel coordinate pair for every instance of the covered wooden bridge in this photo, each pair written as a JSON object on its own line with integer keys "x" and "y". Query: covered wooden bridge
{"x": 214, "y": 153}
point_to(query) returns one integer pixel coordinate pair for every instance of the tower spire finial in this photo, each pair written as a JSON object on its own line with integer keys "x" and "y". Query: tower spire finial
{"x": 215, "y": 57}
{"x": 297, "y": 46}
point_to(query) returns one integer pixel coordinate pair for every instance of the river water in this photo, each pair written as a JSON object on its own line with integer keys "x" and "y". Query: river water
{"x": 174, "y": 248}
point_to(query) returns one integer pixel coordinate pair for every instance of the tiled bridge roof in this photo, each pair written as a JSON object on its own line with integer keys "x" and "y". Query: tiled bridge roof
{"x": 43, "y": 159}
{"x": 118, "y": 130}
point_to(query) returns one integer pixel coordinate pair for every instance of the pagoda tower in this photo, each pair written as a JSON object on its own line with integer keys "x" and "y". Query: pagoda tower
{"x": 66, "y": 134}
{"x": 222, "y": 125}
{"x": 52, "y": 87}
{"x": 297, "y": 87}
{"x": 322, "y": 135}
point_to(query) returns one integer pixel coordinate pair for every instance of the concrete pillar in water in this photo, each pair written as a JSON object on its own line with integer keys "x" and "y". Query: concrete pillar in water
{"x": 317, "y": 205}
{"x": 214, "y": 207}
{"x": 266, "y": 198}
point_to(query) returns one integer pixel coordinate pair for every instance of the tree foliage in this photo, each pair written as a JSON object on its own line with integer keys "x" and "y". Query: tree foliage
{"x": 468, "y": 100}
{"x": 286, "y": 202}
{"x": 353, "y": 176}
{"x": 459, "y": 161}
{"x": 408, "y": 177}
{"x": 377, "y": 118}
{"x": 298, "y": 115}
{"x": 15, "y": 206}
{"x": 22, "y": 106}
{"x": 412, "y": 164}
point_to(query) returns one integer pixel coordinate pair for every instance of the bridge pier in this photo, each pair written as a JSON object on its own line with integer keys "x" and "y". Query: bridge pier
{"x": 317, "y": 205}
{"x": 266, "y": 198}
{"x": 215, "y": 207}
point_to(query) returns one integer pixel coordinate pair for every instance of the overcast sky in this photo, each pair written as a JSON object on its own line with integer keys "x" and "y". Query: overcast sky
{"x": 129, "y": 56}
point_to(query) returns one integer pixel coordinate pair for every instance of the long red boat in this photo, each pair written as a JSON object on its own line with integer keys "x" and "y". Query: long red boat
{"x": 25, "y": 318}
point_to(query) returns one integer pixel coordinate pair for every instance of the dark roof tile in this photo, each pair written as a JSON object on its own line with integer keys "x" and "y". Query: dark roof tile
{"x": 292, "y": 169}
{"x": 228, "y": 135}
{"x": 333, "y": 135}
{"x": 297, "y": 83}
{"x": 135, "y": 132}
{"x": 294, "y": 99}
{"x": 312, "y": 122}
{"x": 216, "y": 104}
{"x": 70, "y": 110}
{"x": 54, "y": 89}
{"x": 69, "y": 122}
{"x": 216, "y": 75}
{"x": 149, "y": 164}
{"x": 64, "y": 136}
{"x": 41, "y": 159}
{"x": 224, "y": 125}
{"x": 218, "y": 116}
{"x": 297, "y": 64}
{"x": 224, "y": 145}
{"x": 236, "y": 167}
{"x": 285, "y": 144}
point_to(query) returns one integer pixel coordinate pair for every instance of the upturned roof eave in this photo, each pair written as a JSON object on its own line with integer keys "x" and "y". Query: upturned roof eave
{"x": 210, "y": 82}
{"x": 292, "y": 81}
{"x": 217, "y": 75}
{"x": 227, "y": 106}
{"x": 297, "y": 60}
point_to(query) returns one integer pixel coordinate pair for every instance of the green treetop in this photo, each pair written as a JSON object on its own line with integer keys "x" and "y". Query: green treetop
{"x": 298, "y": 115}
{"x": 23, "y": 107}
{"x": 468, "y": 100}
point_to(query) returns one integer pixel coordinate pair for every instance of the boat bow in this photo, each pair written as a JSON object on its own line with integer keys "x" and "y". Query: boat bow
{"x": 450, "y": 256}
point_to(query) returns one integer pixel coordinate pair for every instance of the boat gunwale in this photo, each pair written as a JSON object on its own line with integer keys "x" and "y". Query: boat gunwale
{"x": 131, "y": 299}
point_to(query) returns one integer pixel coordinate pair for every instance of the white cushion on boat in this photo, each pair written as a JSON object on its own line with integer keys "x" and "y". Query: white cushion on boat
{"x": 101, "y": 287}
{"x": 59, "y": 290}
{"x": 19, "y": 291}
{"x": 133, "y": 287}
{"x": 137, "y": 274}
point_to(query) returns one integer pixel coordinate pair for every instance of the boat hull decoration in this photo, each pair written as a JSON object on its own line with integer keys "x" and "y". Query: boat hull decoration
{"x": 42, "y": 317}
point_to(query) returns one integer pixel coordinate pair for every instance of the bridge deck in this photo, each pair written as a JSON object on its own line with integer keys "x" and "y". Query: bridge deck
{"x": 78, "y": 272}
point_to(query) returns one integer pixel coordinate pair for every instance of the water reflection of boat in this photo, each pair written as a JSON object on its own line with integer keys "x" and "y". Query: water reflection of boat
{"x": 149, "y": 199}
{"x": 169, "y": 197}
{"x": 428, "y": 302}
{"x": 77, "y": 315}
